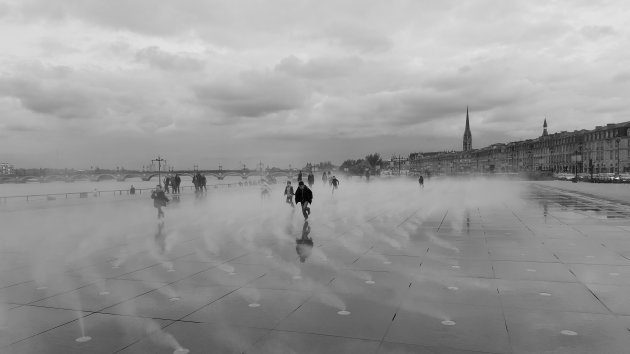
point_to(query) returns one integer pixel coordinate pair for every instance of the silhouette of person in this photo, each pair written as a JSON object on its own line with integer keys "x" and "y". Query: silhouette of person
{"x": 288, "y": 193}
{"x": 304, "y": 196}
{"x": 159, "y": 200}
{"x": 335, "y": 183}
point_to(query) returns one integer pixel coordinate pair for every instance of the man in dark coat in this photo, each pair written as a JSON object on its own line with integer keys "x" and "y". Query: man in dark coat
{"x": 311, "y": 179}
{"x": 203, "y": 183}
{"x": 304, "y": 196}
{"x": 159, "y": 200}
{"x": 178, "y": 181}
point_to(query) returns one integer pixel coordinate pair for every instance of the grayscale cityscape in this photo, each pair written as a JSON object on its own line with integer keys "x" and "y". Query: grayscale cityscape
{"x": 314, "y": 177}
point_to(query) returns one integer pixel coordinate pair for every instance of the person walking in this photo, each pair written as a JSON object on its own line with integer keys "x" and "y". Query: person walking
{"x": 324, "y": 178}
{"x": 178, "y": 181}
{"x": 300, "y": 176}
{"x": 203, "y": 183}
{"x": 335, "y": 184}
{"x": 311, "y": 179}
{"x": 304, "y": 196}
{"x": 288, "y": 194}
{"x": 167, "y": 181}
{"x": 421, "y": 181}
{"x": 132, "y": 190}
{"x": 159, "y": 200}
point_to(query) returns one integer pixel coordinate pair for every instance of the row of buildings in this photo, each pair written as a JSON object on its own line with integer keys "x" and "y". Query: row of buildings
{"x": 604, "y": 149}
{"x": 6, "y": 169}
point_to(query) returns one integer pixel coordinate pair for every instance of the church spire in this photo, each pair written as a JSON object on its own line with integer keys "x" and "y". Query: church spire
{"x": 467, "y": 134}
{"x": 545, "y": 127}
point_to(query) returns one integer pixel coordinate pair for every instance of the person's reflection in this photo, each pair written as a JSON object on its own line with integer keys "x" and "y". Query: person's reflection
{"x": 545, "y": 206}
{"x": 304, "y": 245}
{"x": 160, "y": 238}
{"x": 467, "y": 222}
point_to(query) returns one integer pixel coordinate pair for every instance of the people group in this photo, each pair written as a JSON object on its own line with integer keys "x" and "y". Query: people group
{"x": 173, "y": 183}
{"x": 302, "y": 195}
{"x": 199, "y": 181}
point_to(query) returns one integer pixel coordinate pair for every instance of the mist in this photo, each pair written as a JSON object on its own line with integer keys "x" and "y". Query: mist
{"x": 234, "y": 246}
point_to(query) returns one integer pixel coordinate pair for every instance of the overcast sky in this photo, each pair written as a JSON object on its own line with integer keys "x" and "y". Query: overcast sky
{"x": 117, "y": 82}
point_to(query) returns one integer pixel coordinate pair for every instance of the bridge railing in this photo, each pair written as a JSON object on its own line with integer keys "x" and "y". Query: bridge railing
{"x": 116, "y": 192}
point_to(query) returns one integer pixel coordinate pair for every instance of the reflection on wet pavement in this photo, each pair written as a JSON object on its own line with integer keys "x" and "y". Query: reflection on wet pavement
{"x": 547, "y": 273}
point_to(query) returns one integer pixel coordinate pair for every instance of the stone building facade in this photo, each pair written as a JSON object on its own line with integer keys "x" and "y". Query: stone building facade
{"x": 605, "y": 149}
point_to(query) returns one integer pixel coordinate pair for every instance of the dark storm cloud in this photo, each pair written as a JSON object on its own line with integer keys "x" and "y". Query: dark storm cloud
{"x": 159, "y": 58}
{"x": 251, "y": 94}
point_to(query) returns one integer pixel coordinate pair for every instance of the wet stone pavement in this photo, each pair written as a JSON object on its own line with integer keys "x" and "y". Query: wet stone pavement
{"x": 548, "y": 275}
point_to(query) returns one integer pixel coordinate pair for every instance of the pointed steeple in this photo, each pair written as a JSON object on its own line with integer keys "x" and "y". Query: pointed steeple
{"x": 467, "y": 135}
{"x": 467, "y": 122}
{"x": 545, "y": 127}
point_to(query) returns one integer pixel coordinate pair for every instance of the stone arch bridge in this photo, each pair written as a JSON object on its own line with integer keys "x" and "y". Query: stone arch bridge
{"x": 145, "y": 176}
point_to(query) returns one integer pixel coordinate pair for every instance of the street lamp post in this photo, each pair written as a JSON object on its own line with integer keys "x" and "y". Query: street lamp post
{"x": 159, "y": 161}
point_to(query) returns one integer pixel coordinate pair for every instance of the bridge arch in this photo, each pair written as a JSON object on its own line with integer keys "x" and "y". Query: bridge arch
{"x": 28, "y": 178}
{"x": 122, "y": 178}
{"x": 58, "y": 178}
{"x": 79, "y": 177}
{"x": 104, "y": 177}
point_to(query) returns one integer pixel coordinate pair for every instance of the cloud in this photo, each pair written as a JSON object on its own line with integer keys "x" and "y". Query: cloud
{"x": 63, "y": 101}
{"x": 251, "y": 94}
{"x": 597, "y": 32}
{"x": 117, "y": 99}
{"x": 623, "y": 77}
{"x": 22, "y": 128}
{"x": 164, "y": 60}
{"x": 319, "y": 68}
{"x": 361, "y": 38}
